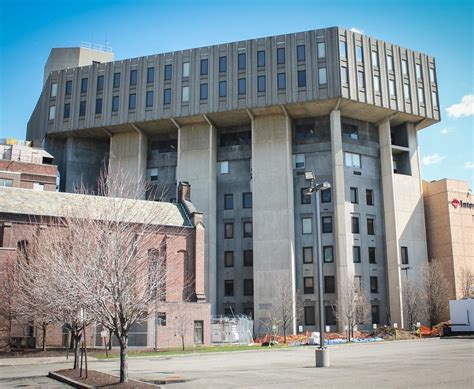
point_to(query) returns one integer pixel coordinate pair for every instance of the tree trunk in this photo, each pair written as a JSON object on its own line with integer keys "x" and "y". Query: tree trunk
{"x": 110, "y": 339}
{"x": 284, "y": 335}
{"x": 182, "y": 341}
{"x": 44, "y": 325}
{"x": 77, "y": 340}
{"x": 123, "y": 358}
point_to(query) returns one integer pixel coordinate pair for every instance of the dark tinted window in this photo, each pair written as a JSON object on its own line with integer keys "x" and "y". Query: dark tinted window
{"x": 229, "y": 287}
{"x": 98, "y": 106}
{"x": 228, "y": 201}
{"x": 149, "y": 99}
{"x": 247, "y": 200}
{"x": 305, "y": 198}
{"x": 326, "y": 196}
{"x": 242, "y": 87}
{"x": 116, "y": 83}
{"x": 328, "y": 254}
{"x": 82, "y": 108}
{"x": 228, "y": 230}
{"x": 372, "y": 258}
{"x": 309, "y": 319}
{"x": 354, "y": 196}
{"x": 375, "y": 314}
{"x": 374, "y": 284}
{"x": 84, "y": 83}
{"x": 261, "y": 84}
{"x": 248, "y": 287}
{"x": 241, "y": 61}
{"x": 228, "y": 258}
{"x": 355, "y": 225}
{"x": 248, "y": 258}
{"x": 235, "y": 138}
{"x": 356, "y": 254}
{"x": 329, "y": 284}
{"x": 369, "y": 197}
{"x": 281, "y": 80}
{"x": 132, "y": 101}
{"x": 222, "y": 88}
{"x": 68, "y": 88}
{"x": 204, "y": 67}
{"x": 67, "y": 110}
{"x": 327, "y": 224}
{"x": 281, "y": 56}
{"x": 150, "y": 75}
{"x": 308, "y": 285}
{"x": 115, "y": 104}
{"x": 222, "y": 64}
{"x": 203, "y": 94}
{"x": 261, "y": 58}
{"x": 301, "y": 78}
{"x": 404, "y": 255}
{"x": 330, "y": 315}
{"x": 370, "y": 226}
{"x": 133, "y": 77}
{"x": 300, "y": 53}
{"x": 167, "y": 96}
{"x": 100, "y": 83}
{"x": 168, "y": 72}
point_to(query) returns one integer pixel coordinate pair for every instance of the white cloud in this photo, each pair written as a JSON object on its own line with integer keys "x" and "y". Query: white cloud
{"x": 358, "y": 30}
{"x": 468, "y": 165}
{"x": 464, "y": 108}
{"x": 432, "y": 159}
{"x": 446, "y": 131}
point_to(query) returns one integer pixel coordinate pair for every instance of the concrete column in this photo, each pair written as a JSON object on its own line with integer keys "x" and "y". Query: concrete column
{"x": 394, "y": 286}
{"x": 273, "y": 213}
{"x": 342, "y": 257}
{"x": 197, "y": 159}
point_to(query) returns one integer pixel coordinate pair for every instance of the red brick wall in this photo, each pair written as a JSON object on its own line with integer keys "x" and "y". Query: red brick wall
{"x": 28, "y": 174}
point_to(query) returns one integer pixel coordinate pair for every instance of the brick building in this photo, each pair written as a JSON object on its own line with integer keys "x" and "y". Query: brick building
{"x": 23, "y": 212}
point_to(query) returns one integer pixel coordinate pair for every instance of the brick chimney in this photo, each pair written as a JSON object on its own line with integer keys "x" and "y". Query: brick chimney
{"x": 184, "y": 191}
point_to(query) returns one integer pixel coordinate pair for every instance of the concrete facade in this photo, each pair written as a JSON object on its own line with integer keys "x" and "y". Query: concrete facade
{"x": 233, "y": 119}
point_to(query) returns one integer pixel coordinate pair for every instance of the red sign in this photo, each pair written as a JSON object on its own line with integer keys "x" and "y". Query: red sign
{"x": 456, "y": 203}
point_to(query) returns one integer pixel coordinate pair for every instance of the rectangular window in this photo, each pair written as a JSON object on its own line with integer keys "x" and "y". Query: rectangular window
{"x": 299, "y": 161}
{"x": 281, "y": 81}
{"x": 307, "y": 255}
{"x": 186, "y": 69}
{"x": 374, "y": 284}
{"x": 432, "y": 76}
{"x": 185, "y": 94}
{"x": 260, "y": 58}
{"x": 228, "y": 258}
{"x": 203, "y": 92}
{"x": 389, "y": 63}
{"x": 326, "y": 195}
{"x": 280, "y": 56}
{"x": 242, "y": 86}
{"x": 52, "y": 112}
{"x": 404, "y": 67}
{"x": 342, "y": 49}
{"x": 330, "y": 315}
{"x": 307, "y": 225}
{"x": 329, "y": 284}
{"x": 361, "y": 79}
{"x": 161, "y": 319}
{"x": 404, "y": 252}
{"x": 149, "y": 99}
{"x": 115, "y": 103}
{"x": 98, "y": 106}
{"x": 6, "y": 184}
{"x": 167, "y": 96}
{"x": 374, "y": 310}
{"x": 355, "y": 225}
{"x": 300, "y": 53}
{"x": 68, "y": 90}
{"x": 222, "y": 88}
{"x": 327, "y": 224}
{"x": 242, "y": 59}
{"x": 352, "y": 160}
{"x": 168, "y": 72}
{"x": 350, "y": 131}
{"x": 369, "y": 197}
{"x": 344, "y": 75}
{"x": 132, "y": 101}
{"x": 305, "y": 196}
{"x": 418, "y": 71}
{"x": 67, "y": 110}
{"x": 222, "y": 64}
{"x": 261, "y": 84}
{"x": 434, "y": 99}
{"x": 116, "y": 82}
{"x": 372, "y": 257}
{"x": 204, "y": 67}
{"x": 308, "y": 285}
{"x": 133, "y": 77}
{"x": 321, "y": 50}
{"x": 406, "y": 92}
{"x": 228, "y": 287}
{"x": 391, "y": 88}
{"x": 328, "y": 254}
{"x": 248, "y": 287}
{"x": 377, "y": 84}
{"x": 224, "y": 167}
{"x": 354, "y": 195}
{"x": 248, "y": 258}
{"x": 100, "y": 83}
{"x": 356, "y": 254}
{"x": 322, "y": 74}
{"x": 359, "y": 54}
{"x": 84, "y": 83}
{"x": 247, "y": 229}
{"x": 229, "y": 201}
{"x": 375, "y": 59}
{"x": 370, "y": 226}
{"x": 421, "y": 96}
{"x": 82, "y": 109}
{"x": 228, "y": 230}
{"x": 150, "y": 75}
{"x": 301, "y": 78}
{"x": 54, "y": 89}
{"x": 247, "y": 200}
{"x": 309, "y": 318}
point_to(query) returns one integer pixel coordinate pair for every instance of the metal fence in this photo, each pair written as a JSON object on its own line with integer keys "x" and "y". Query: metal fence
{"x": 235, "y": 330}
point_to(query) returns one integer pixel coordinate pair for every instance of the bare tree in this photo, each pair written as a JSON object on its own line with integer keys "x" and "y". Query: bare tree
{"x": 434, "y": 292}
{"x": 353, "y": 307}
{"x": 413, "y": 304}
{"x": 466, "y": 281}
{"x": 181, "y": 322}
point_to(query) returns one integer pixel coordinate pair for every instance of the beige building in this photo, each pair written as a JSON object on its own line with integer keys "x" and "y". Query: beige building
{"x": 449, "y": 212}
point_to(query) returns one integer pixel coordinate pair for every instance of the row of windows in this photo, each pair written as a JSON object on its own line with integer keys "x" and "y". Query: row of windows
{"x": 229, "y": 258}
{"x": 330, "y": 315}
{"x": 330, "y": 284}
{"x": 326, "y": 225}
{"x": 351, "y": 160}
{"x": 247, "y": 230}
{"x": 246, "y": 200}
{"x": 229, "y": 287}
{"x": 326, "y": 196}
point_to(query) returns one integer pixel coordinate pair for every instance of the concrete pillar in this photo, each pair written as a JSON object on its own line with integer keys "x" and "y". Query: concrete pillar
{"x": 197, "y": 159}
{"x": 342, "y": 257}
{"x": 394, "y": 286}
{"x": 273, "y": 213}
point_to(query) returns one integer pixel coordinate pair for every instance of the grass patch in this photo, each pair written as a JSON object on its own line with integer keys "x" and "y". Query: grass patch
{"x": 174, "y": 351}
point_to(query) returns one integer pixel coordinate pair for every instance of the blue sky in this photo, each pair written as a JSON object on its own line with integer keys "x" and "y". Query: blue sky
{"x": 444, "y": 29}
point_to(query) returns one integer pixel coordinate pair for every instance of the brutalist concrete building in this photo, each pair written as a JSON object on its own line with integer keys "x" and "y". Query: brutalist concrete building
{"x": 242, "y": 122}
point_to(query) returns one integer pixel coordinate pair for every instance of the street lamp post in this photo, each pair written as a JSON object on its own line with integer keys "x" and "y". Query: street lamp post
{"x": 322, "y": 353}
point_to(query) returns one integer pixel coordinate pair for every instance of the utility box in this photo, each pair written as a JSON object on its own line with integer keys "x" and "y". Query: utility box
{"x": 461, "y": 313}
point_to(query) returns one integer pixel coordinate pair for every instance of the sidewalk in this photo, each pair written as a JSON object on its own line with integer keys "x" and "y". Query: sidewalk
{"x": 38, "y": 360}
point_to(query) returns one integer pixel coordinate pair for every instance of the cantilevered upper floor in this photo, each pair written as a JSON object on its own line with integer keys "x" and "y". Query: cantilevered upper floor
{"x": 307, "y": 72}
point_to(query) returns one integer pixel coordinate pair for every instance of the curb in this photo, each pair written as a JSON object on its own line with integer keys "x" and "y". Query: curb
{"x": 69, "y": 381}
